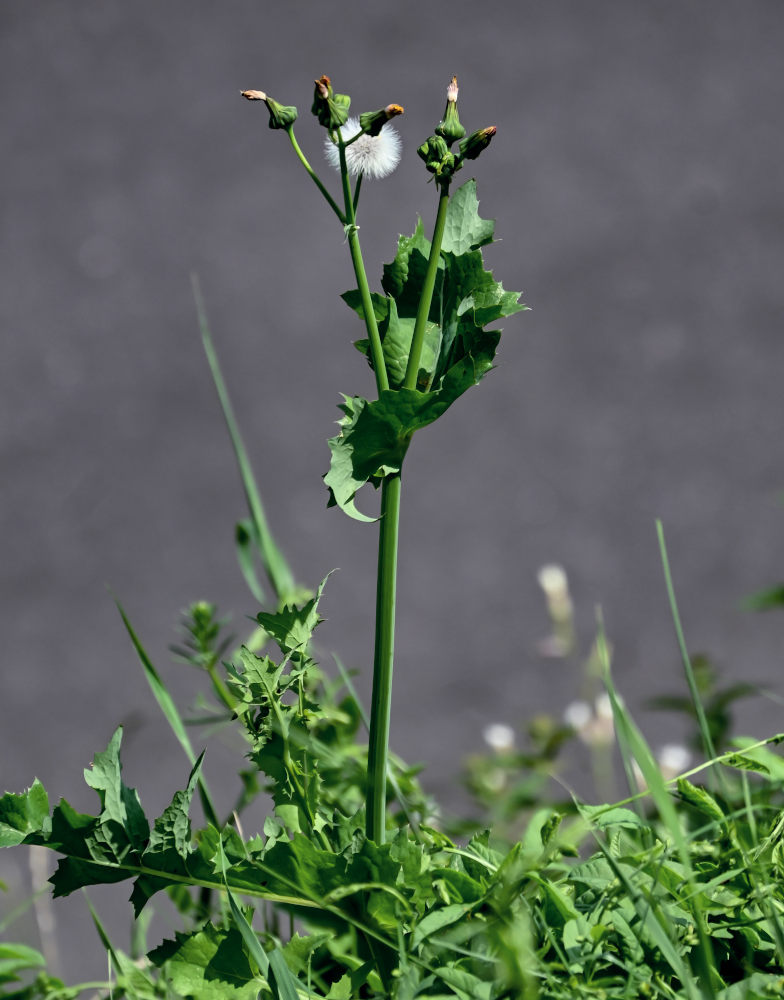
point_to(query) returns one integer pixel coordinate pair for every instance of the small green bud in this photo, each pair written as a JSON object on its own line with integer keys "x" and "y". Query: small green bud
{"x": 281, "y": 116}
{"x": 471, "y": 147}
{"x": 450, "y": 127}
{"x": 373, "y": 121}
{"x": 438, "y": 160}
{"x": 330, "y": 108}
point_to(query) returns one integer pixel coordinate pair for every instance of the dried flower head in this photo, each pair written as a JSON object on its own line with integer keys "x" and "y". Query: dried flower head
{"x": 374, "y": 156}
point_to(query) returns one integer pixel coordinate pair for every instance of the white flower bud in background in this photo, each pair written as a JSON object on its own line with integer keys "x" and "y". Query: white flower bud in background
{"x": 373, "y": 156}
{"x": 553, "y": 581}
{"x": 499, "y": 737}
{"x": 577, "y": 715}
{"x": 673, "y": 760}
{"x": 604, "y": 706}
{"x": 555, "y": 584}
{"x": 594, "y": 725}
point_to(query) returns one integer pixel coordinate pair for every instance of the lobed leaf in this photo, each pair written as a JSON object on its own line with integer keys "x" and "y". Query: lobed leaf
{"x": 293, "y": 626}
{"x": 458, "y": 351}
{"x": 24, "y": 815}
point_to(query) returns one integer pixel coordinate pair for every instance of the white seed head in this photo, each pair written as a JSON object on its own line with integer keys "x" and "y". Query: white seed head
{"x": 499, "y": 736}
{"x": 373, "y": 156}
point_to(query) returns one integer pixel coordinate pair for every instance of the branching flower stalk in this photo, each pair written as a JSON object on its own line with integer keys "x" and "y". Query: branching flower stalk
{"x": 368, "y": 147}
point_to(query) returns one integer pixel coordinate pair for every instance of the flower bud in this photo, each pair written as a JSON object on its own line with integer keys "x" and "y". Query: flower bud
{"x": 372, "y": 122}
{"x": 450, "y": 127}
{"x": 330, "y": 108}
{"x": 471, "y": 147}
{"x": 438, "y": 160}
{"x": 281, "y": 116}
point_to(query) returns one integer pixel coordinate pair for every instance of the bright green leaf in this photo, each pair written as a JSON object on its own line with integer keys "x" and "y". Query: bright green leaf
{"x": 293, "y": 626}
{"x": 23, "y": 815}
{"x": 210, "y": 964}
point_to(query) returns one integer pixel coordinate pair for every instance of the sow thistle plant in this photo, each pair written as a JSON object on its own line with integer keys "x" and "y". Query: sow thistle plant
{"x": 348, "y": 888}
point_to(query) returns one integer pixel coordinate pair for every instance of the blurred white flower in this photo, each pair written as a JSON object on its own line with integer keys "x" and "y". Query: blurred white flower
{"x": 552, "y": 579}
{"x": 577, "y": 715}
{"x": 604, "y": 706}
{"x": 594, "y": 725}
{"x": 373, "y": 156}
{"x": 673, "y": 759}
{"x": 499, "y": 737}
{"x": 555, "y": 584}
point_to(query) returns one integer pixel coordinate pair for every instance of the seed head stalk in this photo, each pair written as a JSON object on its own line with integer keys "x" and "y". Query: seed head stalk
{"x": 352, "y": 234}
{"x": 314, "y": 176}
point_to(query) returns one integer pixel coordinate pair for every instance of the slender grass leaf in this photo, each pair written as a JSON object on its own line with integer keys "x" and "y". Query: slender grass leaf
{"x": 103, "y": 934}
{"x": 274, "y": 562}
{"x": 273, "y": 965}
{"x": 171, "y": 713}
{"x": 246, "y": 546}
{"x": 705, "y": 732}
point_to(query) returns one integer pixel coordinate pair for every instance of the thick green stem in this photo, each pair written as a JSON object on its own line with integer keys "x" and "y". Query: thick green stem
{"x": 423, "y": 310}
{"x": 383, "y": 660}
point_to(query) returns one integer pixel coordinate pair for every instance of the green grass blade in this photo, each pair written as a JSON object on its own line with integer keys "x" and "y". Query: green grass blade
{"x": 272, "y": 965}
{"x": 171, "y": 714}
{"x": 630, "y": 736}
{"x": 245, "y": 544}
{"x": 707, "y": 739}
{"x": 103, "y": 935}
{"x": 275, "y": 564}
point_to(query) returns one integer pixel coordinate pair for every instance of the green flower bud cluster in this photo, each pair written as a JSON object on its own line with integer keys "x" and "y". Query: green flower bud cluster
{"x": 330, "y": 108}
{"x": 281, "y": 115}
{"x": 438, "y": 160}
{"x": 435, "y": 150}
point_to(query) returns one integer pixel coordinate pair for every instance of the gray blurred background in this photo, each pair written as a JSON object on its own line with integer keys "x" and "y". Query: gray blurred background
{"x": 638, "y": 185}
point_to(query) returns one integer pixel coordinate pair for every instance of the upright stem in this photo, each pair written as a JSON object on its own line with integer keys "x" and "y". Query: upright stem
{"x": 352, "y": 233}
{"x": 380, "y": 707}
{"x": 383, "y": 659}
{"x": 423, "y": 310}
